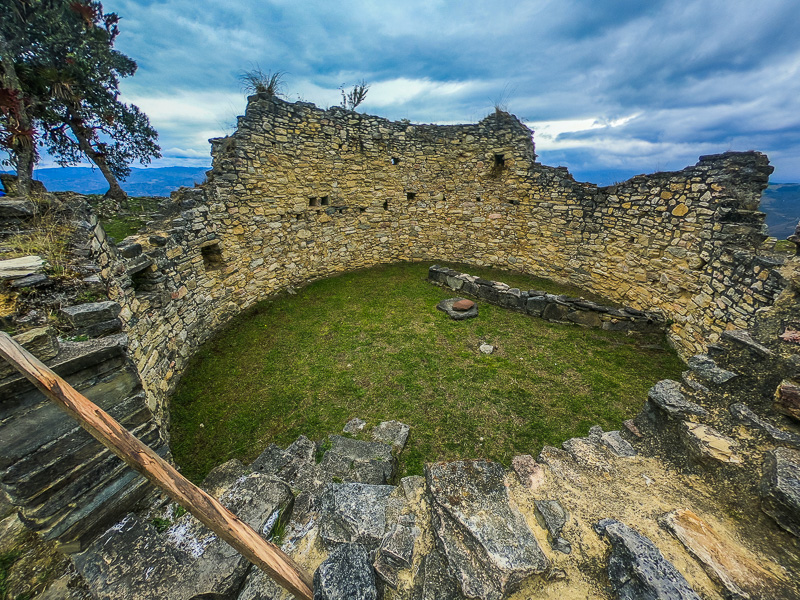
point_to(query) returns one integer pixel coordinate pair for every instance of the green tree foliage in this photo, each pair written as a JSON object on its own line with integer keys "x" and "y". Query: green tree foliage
{"x": 67, "y": 73}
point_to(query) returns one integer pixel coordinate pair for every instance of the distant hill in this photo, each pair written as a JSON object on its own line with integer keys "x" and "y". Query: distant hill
{"x": 781, "y": 202}
{"x": 141, "y": 182}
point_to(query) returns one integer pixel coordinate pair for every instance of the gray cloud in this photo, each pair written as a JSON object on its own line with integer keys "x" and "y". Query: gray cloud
{"x": 676, "y": 78}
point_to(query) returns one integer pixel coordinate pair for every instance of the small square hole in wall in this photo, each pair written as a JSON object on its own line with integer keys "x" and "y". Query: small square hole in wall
{"x": 386, "y": 205}
{"x": 499, "y": 161}
{"x": 212, "y": 257}
{"x": 312, "y": 201}
{"x": 395, "y": 160}
{"x": 410, "y": 195}
{"x": 325, "y": 200}
{"x": 478, "y": 199}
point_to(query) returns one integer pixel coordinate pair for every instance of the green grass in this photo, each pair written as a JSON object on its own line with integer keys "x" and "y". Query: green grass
{"x": 120, "y": 222}
{"x": 371, "y": 344}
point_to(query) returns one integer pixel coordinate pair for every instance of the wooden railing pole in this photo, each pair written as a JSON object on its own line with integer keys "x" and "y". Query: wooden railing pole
{"x": 159, "y": 472}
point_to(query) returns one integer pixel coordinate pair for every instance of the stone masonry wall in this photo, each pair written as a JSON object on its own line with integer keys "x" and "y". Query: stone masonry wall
{"x": 299, "y": 193}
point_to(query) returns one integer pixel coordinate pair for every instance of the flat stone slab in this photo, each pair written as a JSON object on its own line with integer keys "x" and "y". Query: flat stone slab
{"x": 706, "y": 443}
{"x": 458, "y": 315}
{"x": 354, "y": 513}
{"x": 553, "y": 517}
{"x": 725, "y": 561}
{"x": 346, "y": 573}
{"x": 91, "y": 313}
{"x": 133, "y": 561}
{"x": 488, "y": 546}
{"x": 354, "y": 426}
{"x": 16, "y": 209}
{"x": 637, "y": 570}
{"x": 667, "y": 395}
{"x": 462, "y": 305}
{"x": 744, "y": 414}
{"x": 393, "y": 433}
{"x": 705, "y": 368}
{"x": 15, "y": 268}
{"x": 780, "y": 488}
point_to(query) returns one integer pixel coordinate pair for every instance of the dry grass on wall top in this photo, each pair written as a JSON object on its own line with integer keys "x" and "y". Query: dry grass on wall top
{"x": 370, "y": 344}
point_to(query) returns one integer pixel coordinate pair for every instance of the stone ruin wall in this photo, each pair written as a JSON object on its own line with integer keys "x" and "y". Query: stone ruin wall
{"x": 298, "y": 193}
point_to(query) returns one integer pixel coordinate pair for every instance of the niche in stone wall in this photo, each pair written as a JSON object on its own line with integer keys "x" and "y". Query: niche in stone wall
{"x": 313, "y": 201}
{"x": 411, "y": 195}
{"x": 498, "y": 164}
{"x": 395, "y": 160}
{"x": 212, "y": 255}
{"x": 325, "y": 200}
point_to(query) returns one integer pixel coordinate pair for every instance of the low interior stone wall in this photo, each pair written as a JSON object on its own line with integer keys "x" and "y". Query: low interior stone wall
{"x": 551, "y": 307}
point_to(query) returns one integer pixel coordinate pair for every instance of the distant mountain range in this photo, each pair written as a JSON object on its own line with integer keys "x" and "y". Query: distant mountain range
{"x": 141, "y": 182}
{"x": 781, "y": 201}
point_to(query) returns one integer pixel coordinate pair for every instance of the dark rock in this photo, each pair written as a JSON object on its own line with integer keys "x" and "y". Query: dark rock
{"x": 435, "y": 581}
{"x": 393, "y": 433}
{"x": 636, "y": 568}
{"x": 780, "y": 488}
{"x": 271, "y": 460}
{"x": 396, "y": 553}
{"x": 356, "y": 460}
{"x": 100, "y": 329}
{"x": 486, "y": 541}
{"x": 129, "y": 250}
{"x": 614, "y": 442}
{"x": 462, "y": 305}
{"x": 585, "y": 318}
{"x": 555, "y": 312}
{"x": 346, "y": 573}
{"x": 447, "y": 307}
{"x": 553, "y": 517}
{"x": 354, "y": 426}
{"x": 35, "y": 280}
{"x": 666, "y": 395}
{"x": 535, "y": 305}
{"x": 744, "y": 414}
{"x": 511, "y": 298}
{"x": 91, "y": 313}
{"x": 134, "y": 561}
{"x": 354, "y": 513}
{"x": 16, "y": 209}
{"x": 41, "y": 342}
{"x": 138, "y": 264}
{"x": 744, "y": 339}
{"x": 158, "y": 240}
{"x": 705, "y": 368}
{"x": 787, "y": 399}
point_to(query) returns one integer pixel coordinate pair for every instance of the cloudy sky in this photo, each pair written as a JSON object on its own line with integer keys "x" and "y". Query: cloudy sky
{"x": 611, "y": 87}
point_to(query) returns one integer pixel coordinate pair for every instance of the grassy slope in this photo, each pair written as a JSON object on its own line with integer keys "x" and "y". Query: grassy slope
{"x": 370, "y": 344}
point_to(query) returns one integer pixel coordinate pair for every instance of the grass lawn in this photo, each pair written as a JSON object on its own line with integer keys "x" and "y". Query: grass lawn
{"x": 370, "y": 344}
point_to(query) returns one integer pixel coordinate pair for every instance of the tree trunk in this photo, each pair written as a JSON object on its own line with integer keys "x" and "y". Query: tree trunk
{"x": 22, "y": 148}
{"x": 84, "y": 137}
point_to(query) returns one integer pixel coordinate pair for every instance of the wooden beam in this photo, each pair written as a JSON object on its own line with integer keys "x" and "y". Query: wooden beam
{"x": 159, "y": 472}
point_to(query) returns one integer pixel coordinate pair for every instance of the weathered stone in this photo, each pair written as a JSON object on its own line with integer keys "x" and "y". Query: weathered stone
{"x": 705, "y": 442}
{"x": 435, "y": 580}
{"x": 396, "y": 553}
{"x": 15, "y": 268}
{"x": 356, "y": 460}
{"x": 35, "y": 280}
{"x": 446, "y": 306}
{"x": 393, "y": 433}
{"x": 223, "y": 476}
{"x": 553, "y": 517}
{"x": 354, "y": 425}
{"x": 346, "y": 573}
{"x": 462, "y": 305}
{"x": 133, "y": 561}
{"x": 271, "y": 460}
{"x": 614, "y": 442}
{"x": 91, "y": 313}
{"x": 486, "y": 348}
{"x": 485, "y": 539}
{"x": 354, "y": 513}
{"x": 725, "y": 561}
{"x": 16, "y": 209}
{"x": 636, "y": 568}
{"x": 535, "y": 305}
{"x": 667, "y": 396}
{"x": 530, "y": 473}
{"x": 787, "y": 399}
{"x": 129, "y": 249}
{"x": 588, "y": 319}
{"x": 705, "y": 368}
{"x": 780, "y": 488}
{"x": 555, "y": 312}
{"x": 744, "y": 414}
